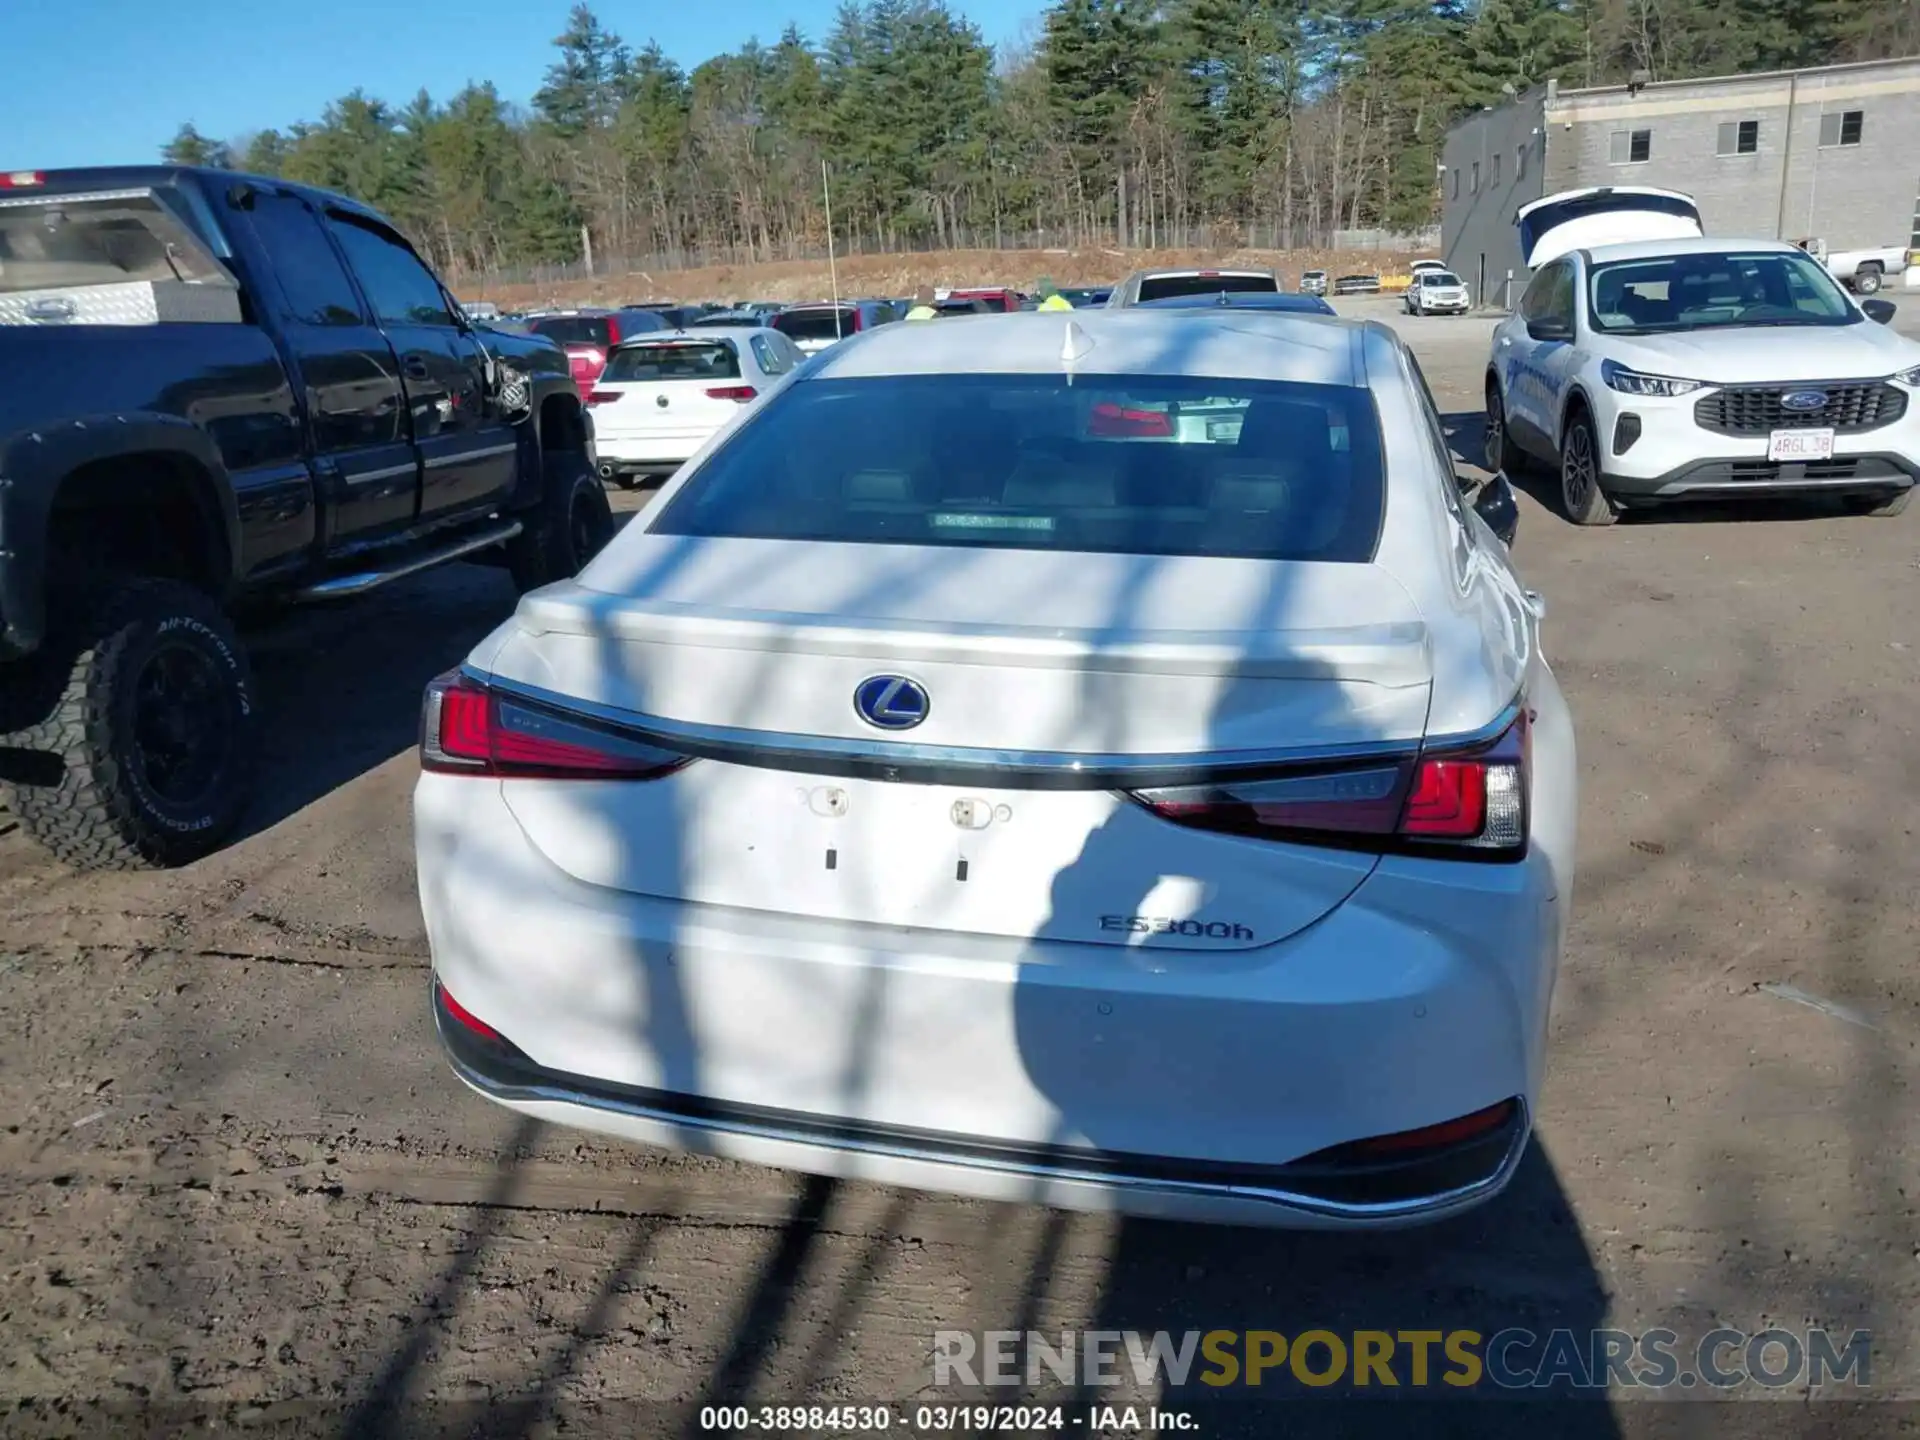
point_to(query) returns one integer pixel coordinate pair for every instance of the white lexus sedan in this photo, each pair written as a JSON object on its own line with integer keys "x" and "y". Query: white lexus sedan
{"x": 1103, "y": 760}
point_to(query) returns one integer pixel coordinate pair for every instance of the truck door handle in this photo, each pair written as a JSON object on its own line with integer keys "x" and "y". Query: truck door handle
{"x": 415, "y": 368}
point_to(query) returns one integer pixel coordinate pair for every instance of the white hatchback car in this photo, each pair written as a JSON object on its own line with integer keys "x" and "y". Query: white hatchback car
{"x": 661, "y": 398}
{"x": 968, "y": 776}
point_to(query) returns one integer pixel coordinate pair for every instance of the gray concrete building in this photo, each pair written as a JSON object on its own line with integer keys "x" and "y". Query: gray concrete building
{"x": 1830, "y": 154}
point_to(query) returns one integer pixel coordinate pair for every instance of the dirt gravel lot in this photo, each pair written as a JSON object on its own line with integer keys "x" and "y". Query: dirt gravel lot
{"x": 234, "y": 1172}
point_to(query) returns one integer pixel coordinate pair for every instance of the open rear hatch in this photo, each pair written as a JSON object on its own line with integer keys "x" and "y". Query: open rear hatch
{"x": 1603, "y": 215}
{"x": 1053, "y": 683}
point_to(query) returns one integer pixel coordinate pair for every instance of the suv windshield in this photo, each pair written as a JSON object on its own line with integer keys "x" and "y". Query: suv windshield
{"x": 1714, "y": 290}
{"x": 681, "y": 360}
{"x": 1130, "y": 464}
{"x": 1161, "y": 287}
{"x": 572, "y": 329}
{"x": 1443, "y": 278}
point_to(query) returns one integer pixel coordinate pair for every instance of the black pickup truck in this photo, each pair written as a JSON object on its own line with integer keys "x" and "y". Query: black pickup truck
{"x": 219, "y": 389}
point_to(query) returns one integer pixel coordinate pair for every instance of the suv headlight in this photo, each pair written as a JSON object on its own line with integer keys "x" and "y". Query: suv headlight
{"x": 1633, "y": 382}
{"x": 1910, "y": 377}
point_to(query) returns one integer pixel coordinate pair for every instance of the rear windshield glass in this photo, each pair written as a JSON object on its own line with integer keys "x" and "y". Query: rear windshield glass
{"x": 814, "y": 324}
{"x": 996, "y": 303}
{"x": 685, "y": 360}
{"x": 572, "y": 329}
{"x": 1135, "y": 464}
{"x": 51, "y": 243}
{"x": 1159, "y": 287}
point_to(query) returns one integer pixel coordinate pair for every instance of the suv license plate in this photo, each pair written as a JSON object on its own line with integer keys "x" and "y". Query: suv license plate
{"x": 1800, "y": 445}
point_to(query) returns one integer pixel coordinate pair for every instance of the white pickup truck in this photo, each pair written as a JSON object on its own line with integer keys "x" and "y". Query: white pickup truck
{"x": 1862, "y": 271}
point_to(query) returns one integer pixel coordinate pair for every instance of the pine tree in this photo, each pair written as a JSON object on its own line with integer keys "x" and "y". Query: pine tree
{"x": 584, "y": 87}
{"x": 190, "y": 147}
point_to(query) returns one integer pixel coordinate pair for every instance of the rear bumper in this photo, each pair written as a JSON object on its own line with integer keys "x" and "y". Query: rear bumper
{"x": 639, "y": 452}
{"x": 1156, "y": 1083}
{"x": 1327, "y": 1190}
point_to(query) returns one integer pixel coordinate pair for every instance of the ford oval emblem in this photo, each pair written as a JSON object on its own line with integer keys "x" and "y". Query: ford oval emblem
{"x": 1801, "y": 401}
{"x": 891, "y": 702}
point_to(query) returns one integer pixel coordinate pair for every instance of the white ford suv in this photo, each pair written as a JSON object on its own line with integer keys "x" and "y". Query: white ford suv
{"x": 1680, "y": 367}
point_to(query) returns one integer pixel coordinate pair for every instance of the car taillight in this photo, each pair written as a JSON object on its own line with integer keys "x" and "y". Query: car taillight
{"x": 742, "y": 393}
{"x": 1113, "y": 421}
{"x": 1471, "y": 802}
{"x": 22, "y": 179}
{"x": 602, "y": 397}
{"x": 468, "y": 729}
{"x": 613, "y": 331}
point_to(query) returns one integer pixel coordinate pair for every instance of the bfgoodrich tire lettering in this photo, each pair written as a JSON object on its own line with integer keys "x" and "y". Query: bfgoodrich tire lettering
{"x": 152, "y": 730}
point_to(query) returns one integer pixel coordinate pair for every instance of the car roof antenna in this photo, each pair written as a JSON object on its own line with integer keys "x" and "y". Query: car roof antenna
{"x": 1075, "y": 345}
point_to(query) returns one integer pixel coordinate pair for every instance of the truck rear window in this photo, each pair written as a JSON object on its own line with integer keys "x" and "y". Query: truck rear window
{"x": 681, "y": 360}
{"x": 1161, "y": 287}
{"x": 572, "y": 329}
{"x": 54, "y": 242}
{"x": 1133, "y": 464}
{"x": 816, "y": 324}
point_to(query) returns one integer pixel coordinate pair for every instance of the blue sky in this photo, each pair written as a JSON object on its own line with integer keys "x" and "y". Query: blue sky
{"x": 94, "y": 82}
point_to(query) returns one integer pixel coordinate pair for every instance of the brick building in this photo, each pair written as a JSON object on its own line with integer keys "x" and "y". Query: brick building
{"x": 1830, "y": 154}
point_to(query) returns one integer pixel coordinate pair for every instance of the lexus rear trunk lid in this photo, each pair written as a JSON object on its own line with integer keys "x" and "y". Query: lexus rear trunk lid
{"x": 1603, "y": 215}
{"x": 1047, "y": 675}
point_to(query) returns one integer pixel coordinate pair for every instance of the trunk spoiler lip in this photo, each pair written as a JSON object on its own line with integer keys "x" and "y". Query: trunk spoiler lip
{"x": 895, "y": 760}
{"x": 1392, "y": 653}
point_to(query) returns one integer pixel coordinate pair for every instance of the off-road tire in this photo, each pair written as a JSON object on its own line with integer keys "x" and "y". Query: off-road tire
{"x": 1581, "y": 495}
{"x": 571, "y": 524}
{"x": 103, "y": 806}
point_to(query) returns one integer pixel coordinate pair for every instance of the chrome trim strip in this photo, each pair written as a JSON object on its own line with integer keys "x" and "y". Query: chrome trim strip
{"x": 341, "y": 587}
{"x": 385, "y": 472}
{"x": 462, "y": 456}
{"x": 898, "y": 759}
{"x": 1385, "y": 1210}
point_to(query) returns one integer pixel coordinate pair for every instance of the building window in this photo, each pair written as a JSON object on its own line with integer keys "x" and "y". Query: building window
{"x": 1493, "y": 176}
{"x": 1631, "y": 147}
{"x": 1519, "y": 162}
{"x": 1841, "y": 127}
{"x": 1474, "y": 184}
{"x": 1739, "y": 137}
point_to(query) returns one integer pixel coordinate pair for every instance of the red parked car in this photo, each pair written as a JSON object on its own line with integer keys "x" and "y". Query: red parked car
{"x": 999, "y": 301}
{"x": 588, "y": 335}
